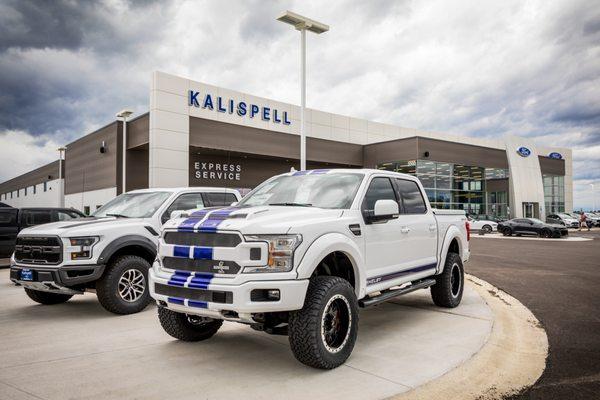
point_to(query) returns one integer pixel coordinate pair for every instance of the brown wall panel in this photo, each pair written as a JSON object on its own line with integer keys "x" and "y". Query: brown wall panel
{"x": 223, "y": 136}
{"x": 458, "y": 153}
{"x": 552, "y": 166}
{"x": 138, "y": 131}
{"x": 395, "y": 150}
{"x": 137, "y": 169}
{"x": 496, "y": 185}
{"x": 237, "y": 171}
{"x": 39, "y": 175}
{"x": 88, "y": 168}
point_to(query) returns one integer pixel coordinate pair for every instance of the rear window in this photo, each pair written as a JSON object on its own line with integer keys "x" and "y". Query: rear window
{"x": 8, "y": 217}
{"x": 411, "y": 197}
{"x": 219, "y": 199}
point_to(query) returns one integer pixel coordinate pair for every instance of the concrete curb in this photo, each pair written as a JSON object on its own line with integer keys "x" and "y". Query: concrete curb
{"x": 513, "y": 358}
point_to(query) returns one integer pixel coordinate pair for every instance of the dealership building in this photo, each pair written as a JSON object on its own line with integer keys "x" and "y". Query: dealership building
{"x": 196, "y": 134}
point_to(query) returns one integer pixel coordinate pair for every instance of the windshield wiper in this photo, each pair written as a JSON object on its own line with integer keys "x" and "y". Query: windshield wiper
{"x": 291, "y": 204}
{"x": 117, "y": 215}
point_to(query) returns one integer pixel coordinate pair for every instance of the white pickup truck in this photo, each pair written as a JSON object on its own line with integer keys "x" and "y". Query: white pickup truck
{"x": 301, "y": 253}
{"x": 109, "y": 253}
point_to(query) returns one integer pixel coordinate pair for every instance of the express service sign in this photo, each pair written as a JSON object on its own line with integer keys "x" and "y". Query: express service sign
{"x": 240, "y": 108}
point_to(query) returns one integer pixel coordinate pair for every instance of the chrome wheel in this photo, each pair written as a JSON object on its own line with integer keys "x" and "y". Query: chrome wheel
{"x": 132, "y": 285}
{"x": 455, "y": 280}
{"x": 336, "y": 323}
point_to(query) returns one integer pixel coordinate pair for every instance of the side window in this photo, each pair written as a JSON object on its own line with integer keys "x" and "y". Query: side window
{"x": 33, "y": 218}
{"x": 379, "y": 189}
{"x": 411, "y": 196}
{"x": 219, "y": 199}
{"x": 186, "y": 201}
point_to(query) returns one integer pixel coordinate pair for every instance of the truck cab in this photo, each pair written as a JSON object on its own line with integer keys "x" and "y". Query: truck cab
{"x": 301, "y": 253}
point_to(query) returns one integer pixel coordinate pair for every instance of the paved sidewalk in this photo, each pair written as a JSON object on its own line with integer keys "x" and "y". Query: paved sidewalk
{"x": 78, "y": 350}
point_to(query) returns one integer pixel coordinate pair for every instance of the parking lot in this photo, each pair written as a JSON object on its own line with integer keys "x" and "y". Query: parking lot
{"x": 78, "y": 350}
{"x": 559, "y": 282}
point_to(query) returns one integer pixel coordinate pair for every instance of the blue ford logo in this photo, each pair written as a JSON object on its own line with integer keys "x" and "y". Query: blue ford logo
{"x": 524, "y": 151}
{"x": 556, "y": 156}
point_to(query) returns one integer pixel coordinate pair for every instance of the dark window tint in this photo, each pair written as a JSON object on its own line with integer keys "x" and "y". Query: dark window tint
{"x": 411, "y": 196}
{"x": 32, "y": 218}
{"x": 8, "y": 217}
{"x": 184, "y": 202}
{"x": 219, "y": 199}
{"x": 379, "y": 189}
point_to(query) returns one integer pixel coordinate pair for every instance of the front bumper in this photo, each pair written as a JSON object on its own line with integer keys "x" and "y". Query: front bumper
{"x": 65, "y": 279}
{"x": 194, "y": 294}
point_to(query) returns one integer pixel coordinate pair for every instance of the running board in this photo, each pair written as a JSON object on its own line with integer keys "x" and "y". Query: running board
{"x": 390, "y": 294}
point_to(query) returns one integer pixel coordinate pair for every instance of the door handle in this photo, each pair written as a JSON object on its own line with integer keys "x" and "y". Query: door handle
{"x": 405, "y": 229}
{"x": 432, "y": 227}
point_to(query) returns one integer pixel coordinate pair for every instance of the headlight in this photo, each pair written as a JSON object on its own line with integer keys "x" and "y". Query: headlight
{"x": 281, "y": 252}
{"x": 81, "y": 247}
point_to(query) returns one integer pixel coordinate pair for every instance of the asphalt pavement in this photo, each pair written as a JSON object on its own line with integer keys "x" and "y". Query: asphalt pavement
{"x": 559, "y": 281}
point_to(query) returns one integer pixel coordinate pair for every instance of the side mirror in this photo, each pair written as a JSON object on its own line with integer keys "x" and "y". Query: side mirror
{"x": 383, "y": 211}
{"x": 177, "y": 214}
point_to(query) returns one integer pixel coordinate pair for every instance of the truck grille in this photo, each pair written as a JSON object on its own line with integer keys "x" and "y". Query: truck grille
{"x": 206, "y": 239}
{"x": 38, "y": 250}
{"x": 212, "y": 296}
{"x": 207, "y": 266}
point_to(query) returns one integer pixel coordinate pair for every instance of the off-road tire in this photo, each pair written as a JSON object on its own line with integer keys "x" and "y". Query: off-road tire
{"x": 47, "y": 298}
{"x": 107, "y": 286}
{"x": 445, "y": 292}
{"x": 179, "y": 326}
{"x": 305, "y": 326}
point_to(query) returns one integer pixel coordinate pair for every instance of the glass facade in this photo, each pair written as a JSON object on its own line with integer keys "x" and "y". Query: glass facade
{"x": 456, "y": 186}
{"x": 554, "y": 193}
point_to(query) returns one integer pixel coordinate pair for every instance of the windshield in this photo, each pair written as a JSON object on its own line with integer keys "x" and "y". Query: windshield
{"x": 133, "y": 205}
{"x": 565, "y": 216}
{"x": 333, "y": 190}
{"x": 537, "y": 221}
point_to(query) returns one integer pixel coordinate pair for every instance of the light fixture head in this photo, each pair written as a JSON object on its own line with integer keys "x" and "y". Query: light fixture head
{"x": 302, "y": 23}
{"x": 124, "y": 113}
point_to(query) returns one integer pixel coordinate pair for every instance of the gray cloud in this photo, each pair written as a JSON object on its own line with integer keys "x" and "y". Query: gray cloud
{"x": 471, "y": 68}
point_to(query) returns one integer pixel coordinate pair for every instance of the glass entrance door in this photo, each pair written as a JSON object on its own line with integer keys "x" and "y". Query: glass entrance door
{"x": 531, "y": 210}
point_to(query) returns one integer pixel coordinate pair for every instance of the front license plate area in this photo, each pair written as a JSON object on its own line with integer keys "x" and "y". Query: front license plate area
{"x": 26, "y": 274}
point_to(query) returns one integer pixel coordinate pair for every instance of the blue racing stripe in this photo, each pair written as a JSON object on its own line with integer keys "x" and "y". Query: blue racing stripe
{"x": 181, "y": 251}
{"x": 203, "y": 253}
{"x": 211, "y": 223}
{"x": 176, "y": 300}
{"x": 179, "y": 278}
{"x": 197, "y": 304}
{"x": 201, "y": 281}
{"x": 189, "y": 223}
{"x": 297, "y": 173}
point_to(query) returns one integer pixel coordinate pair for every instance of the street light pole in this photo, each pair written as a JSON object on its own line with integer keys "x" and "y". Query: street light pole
{"x": 124, "y": 114}
{"x": 303, "y": 24}
{"x": 61, "y": 186}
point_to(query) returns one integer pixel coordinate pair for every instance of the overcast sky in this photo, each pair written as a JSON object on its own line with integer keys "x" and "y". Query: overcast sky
{"x": 477, "y": 68}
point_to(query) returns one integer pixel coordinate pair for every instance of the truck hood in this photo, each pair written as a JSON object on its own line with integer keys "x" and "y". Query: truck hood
{"x": 82, "y": 226}
{"x": 254, "y": 220}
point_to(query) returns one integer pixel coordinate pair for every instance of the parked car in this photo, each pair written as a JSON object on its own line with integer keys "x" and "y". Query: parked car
{"x": 563, "y": 219}
{"x": 109, "y": 253}
{"x": 594, "y": 218}
{"x": 302, "y": 252}
{"x": 483, "y": 225}
{"x": 487, "y": 217}
{"x": 13, "y": 220}
{"x": 531, "y": 226}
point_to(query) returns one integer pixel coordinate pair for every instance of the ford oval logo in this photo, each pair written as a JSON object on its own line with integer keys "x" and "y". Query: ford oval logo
{"x": 556, "y": 156}
{"x": 524, "y": 151}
